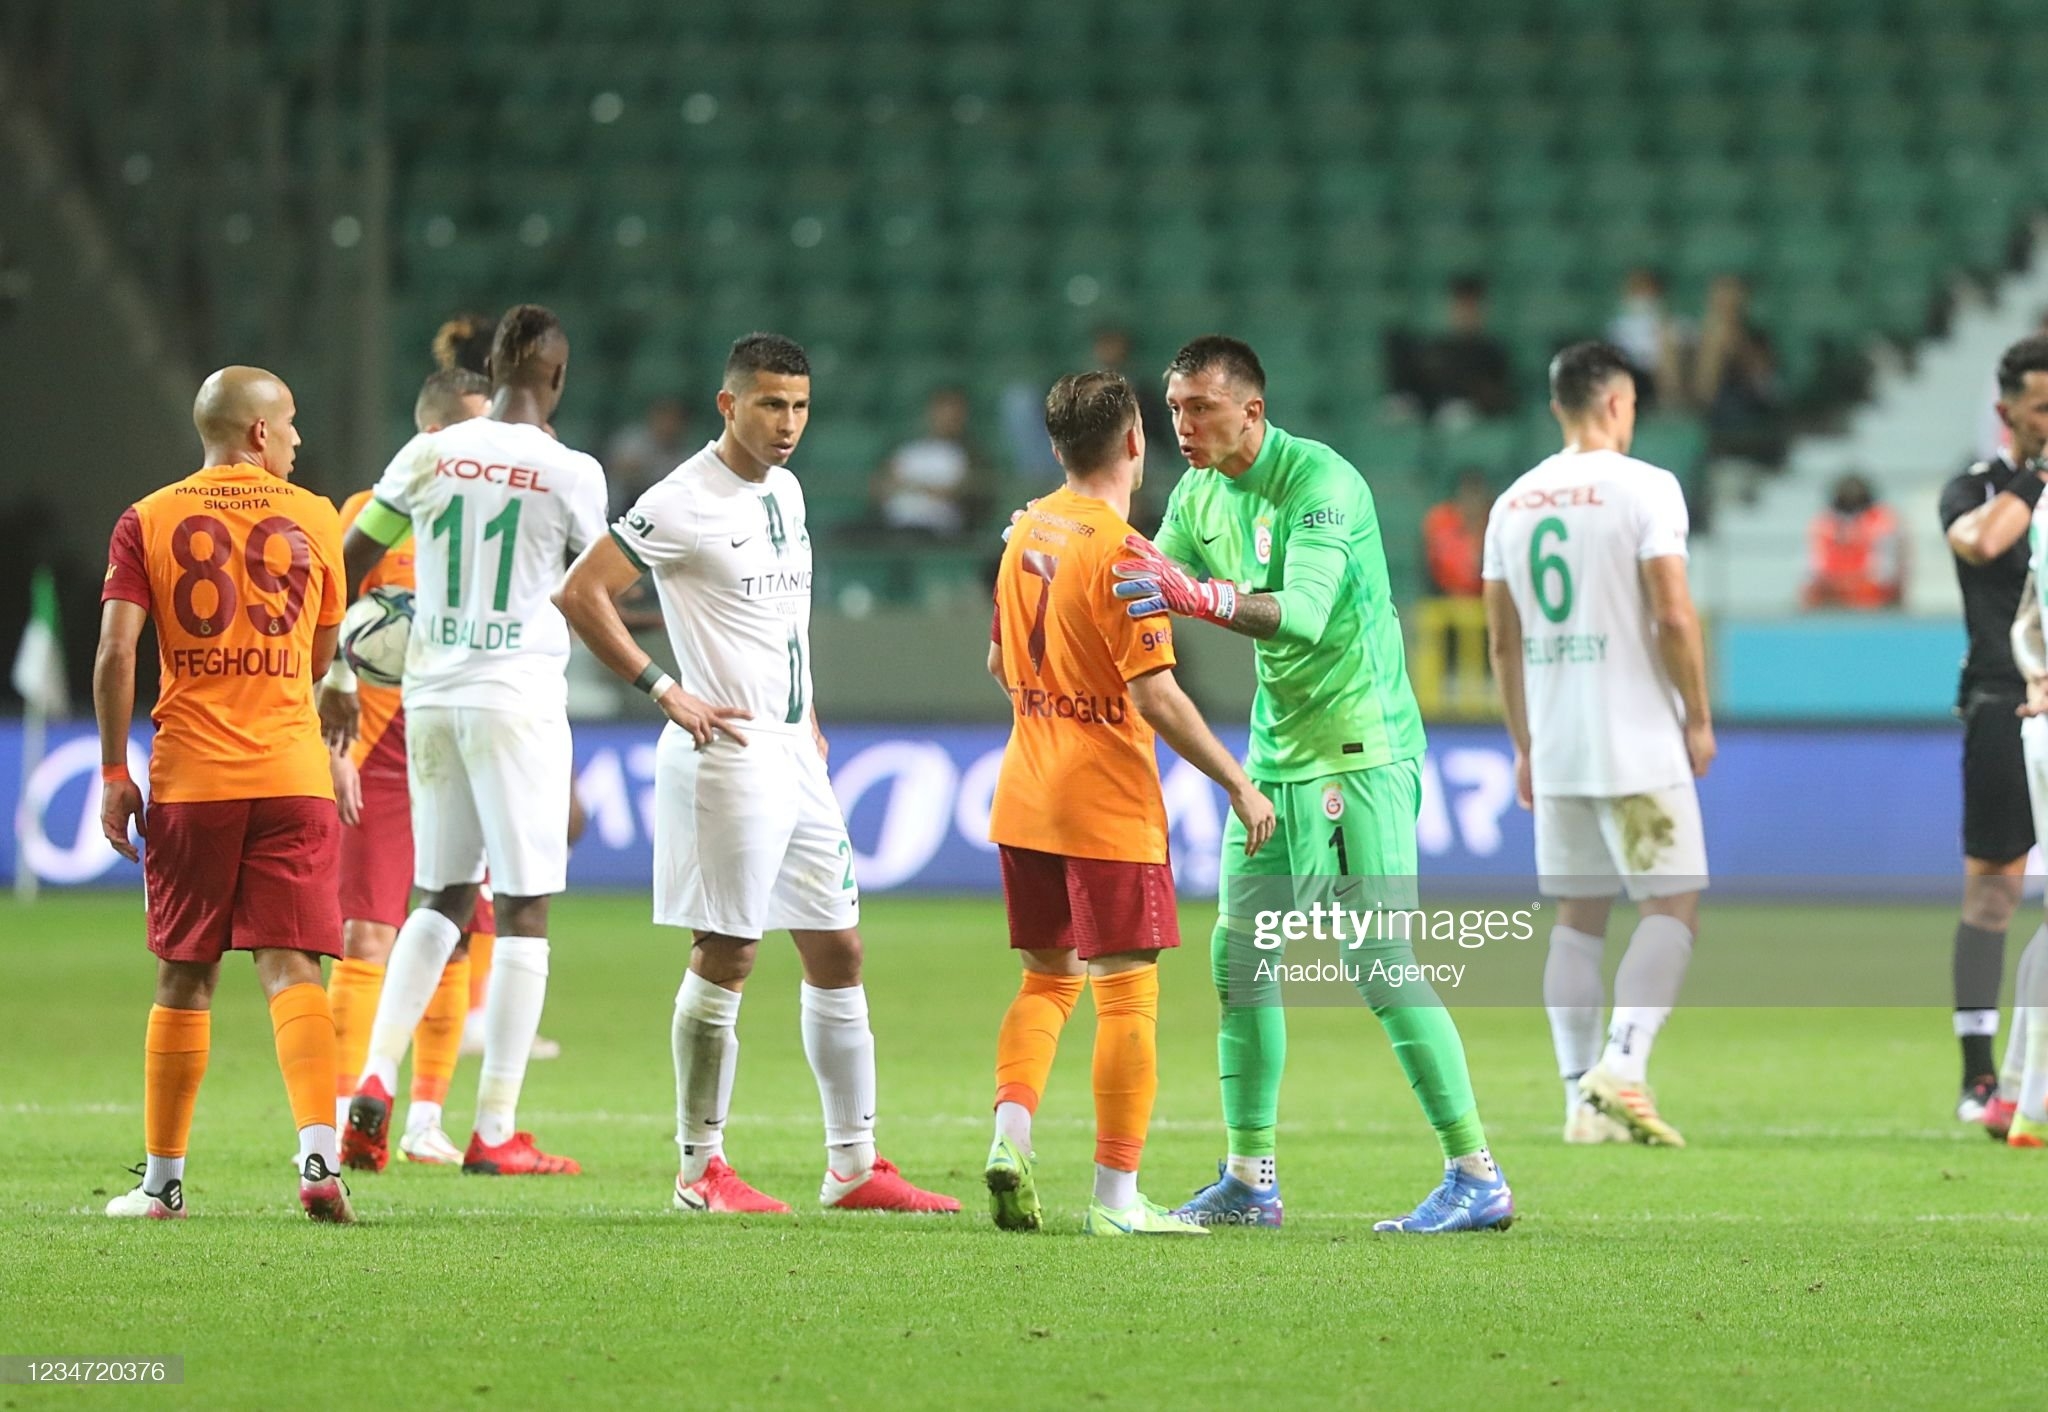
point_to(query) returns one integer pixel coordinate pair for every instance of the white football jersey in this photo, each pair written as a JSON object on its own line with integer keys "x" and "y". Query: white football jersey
{"x": 1569, "y": 539}
{"x": 731, "y": 561}
{"x": 498, "y": 509}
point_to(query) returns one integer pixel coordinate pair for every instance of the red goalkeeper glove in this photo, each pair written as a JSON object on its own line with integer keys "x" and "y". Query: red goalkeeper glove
{"x": 1152, "y": 583}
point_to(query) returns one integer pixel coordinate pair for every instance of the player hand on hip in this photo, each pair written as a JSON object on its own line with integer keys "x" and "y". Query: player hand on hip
{"x": 700, "y": 718}
{"x": 340, "y": 713}
{"x": 2036, "y": 703}
{"x": 1153, "y": 583}
{"x": 1699, "y": 746}
{"x": 121, "y": 805}
{"x": 1255, "y": 812}
{"x": 348, "y": 786}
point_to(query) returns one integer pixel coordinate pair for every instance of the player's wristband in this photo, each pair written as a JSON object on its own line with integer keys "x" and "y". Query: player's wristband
{"x": 340, "y": 675}
{"x": 114, "y": 774}
{"x": 2027, "y": 484}
{"x": 649, "y": 675}
{"x": 661, "y": 685}
{"x": 1223, "y": 601}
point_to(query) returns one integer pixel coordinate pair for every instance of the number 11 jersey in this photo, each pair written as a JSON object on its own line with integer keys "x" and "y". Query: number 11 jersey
{"x": 1569, "y": 540}
{"x": 497, "y": 510}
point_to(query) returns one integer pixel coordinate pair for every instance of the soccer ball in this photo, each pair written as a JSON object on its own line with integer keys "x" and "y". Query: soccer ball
{"x": 374, "y": 634}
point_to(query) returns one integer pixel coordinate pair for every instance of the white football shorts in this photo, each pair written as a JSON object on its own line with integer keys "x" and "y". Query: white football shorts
{"x": 1650, "y": 844}
{"x": 749, "y": 839}
{"x": 489, "y": 789}
{"x": 2034, "y": 750}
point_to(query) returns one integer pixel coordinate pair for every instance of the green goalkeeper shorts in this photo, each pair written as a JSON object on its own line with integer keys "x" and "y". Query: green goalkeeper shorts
{"x": 1355, "y": 825}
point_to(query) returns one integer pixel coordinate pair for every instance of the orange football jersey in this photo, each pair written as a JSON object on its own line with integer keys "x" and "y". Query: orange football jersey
{"x": 238, "y": 570}
{"x": 1079, "y": 777}
{"x": 380, "y": 730}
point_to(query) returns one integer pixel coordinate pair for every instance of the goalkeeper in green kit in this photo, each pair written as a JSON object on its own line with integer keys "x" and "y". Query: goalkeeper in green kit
{"x": 1276, "y": 538}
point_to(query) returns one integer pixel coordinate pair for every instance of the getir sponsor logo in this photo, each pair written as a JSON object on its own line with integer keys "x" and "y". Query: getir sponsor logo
{"x": 493, "y": 473}
{"x": 1558, "y": 499}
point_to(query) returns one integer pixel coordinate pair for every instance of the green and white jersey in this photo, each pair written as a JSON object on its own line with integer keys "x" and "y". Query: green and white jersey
{"x": 498, "y": 509}
{"x": 1569, "y": 540}
{"x": 1299, "y": 523}
{"x": 731, "y": 562}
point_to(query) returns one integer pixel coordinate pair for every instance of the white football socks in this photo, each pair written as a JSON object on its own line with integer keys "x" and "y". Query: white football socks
{"x": 841, "y": 1049}
{"x": 1115, "y": 1189}
{"x": 1645, "y": 990}
{"x": 2012, "y": 1072}
{"x": 424, "y": 944}
{"x": 2030, "y": 1011}
{"x": 519, "y": 990}
{"x": 706, "y": 1045}
{"x": 1013, "y": 1121}
{"x": 1574, "y": 994}
{"x": 158, "y": 1170}
{"x": 319, "y": 1138}
{"x": 422, "y": 1115}
{"x": 1256, "y": 1172}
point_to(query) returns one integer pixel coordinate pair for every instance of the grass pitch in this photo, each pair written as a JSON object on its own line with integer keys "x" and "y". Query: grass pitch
{"x": 1831, "y": 1237}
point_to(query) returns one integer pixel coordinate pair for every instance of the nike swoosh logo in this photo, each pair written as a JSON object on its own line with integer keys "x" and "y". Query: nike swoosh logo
{"x": 867, "y": 1117}
{"x": 1212, "y": 539}
{"x": 741, "y": 540}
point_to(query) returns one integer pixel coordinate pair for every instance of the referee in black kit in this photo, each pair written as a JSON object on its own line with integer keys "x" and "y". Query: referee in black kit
{"x": 1986, "y": 511}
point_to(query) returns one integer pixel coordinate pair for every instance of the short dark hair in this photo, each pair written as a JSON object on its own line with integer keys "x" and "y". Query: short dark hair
{"x": 1580, "y": 370}
{"x": 524, "y": 332}
{"x": 1219, "y": 350}
{"x": 440, "y": 399}
{"x": 2029, "y": 355}
{"x": 1468, "y": 286}
{"x": 766, "y": 353}
{"x": 1086, "y": 414}
{"x": 464, "y": 341}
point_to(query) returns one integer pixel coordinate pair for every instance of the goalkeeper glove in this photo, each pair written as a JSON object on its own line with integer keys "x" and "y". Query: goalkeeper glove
{"x": 1152, "y": 583}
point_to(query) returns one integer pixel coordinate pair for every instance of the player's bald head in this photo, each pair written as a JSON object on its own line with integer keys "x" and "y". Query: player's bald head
{"x": 234, "y": 400}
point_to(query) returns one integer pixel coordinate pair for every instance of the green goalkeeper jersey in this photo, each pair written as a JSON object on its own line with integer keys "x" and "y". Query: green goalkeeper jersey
{"x": 1333, "y": 693}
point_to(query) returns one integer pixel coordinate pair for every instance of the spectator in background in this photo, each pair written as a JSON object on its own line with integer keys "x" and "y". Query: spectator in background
{"x": 639, "y": 455}
{"x": 1735, "y": 379}
{"x": 1653, "y": 339}
{"x": 1856, "y": 553}
{"x": 1461, "y": 373}
{"x": 1452, "y": 534}
{"x": 933, "y": 484}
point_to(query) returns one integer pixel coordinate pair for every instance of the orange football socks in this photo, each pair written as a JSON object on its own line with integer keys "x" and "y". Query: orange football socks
{"x": 481, "y": 944}
{"x": 1030, "y": 1038}
{"x": 174, "y": 1062}
{"x": 1126, "y": 1064}
{"x": 306, "y": 1054}
{"x": 438, "y": 1040}
{"x": 352, "y": 991}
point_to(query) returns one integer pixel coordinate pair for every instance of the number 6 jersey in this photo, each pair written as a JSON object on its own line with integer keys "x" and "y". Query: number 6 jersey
{"x": 731, "y": 560}
{"x": 239, "y": 570}
{"x": 497, "y": 511}
{"x": 1569, "y": 540}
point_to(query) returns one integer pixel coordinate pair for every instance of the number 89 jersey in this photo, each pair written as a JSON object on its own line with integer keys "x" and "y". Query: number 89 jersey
{"x": 1569, "y": 539}
{"x": 239, "y": 570}
{"x": 731, "y": 560}
{"x": 497, "y": 509}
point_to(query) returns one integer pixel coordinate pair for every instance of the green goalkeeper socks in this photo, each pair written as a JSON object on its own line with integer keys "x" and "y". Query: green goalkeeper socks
{"x": 1251, "y": 1053}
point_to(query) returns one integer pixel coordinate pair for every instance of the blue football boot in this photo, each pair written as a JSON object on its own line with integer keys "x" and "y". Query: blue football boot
{"x": 1461, "y": 1203}
{"x": 1230, "y": 1202}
